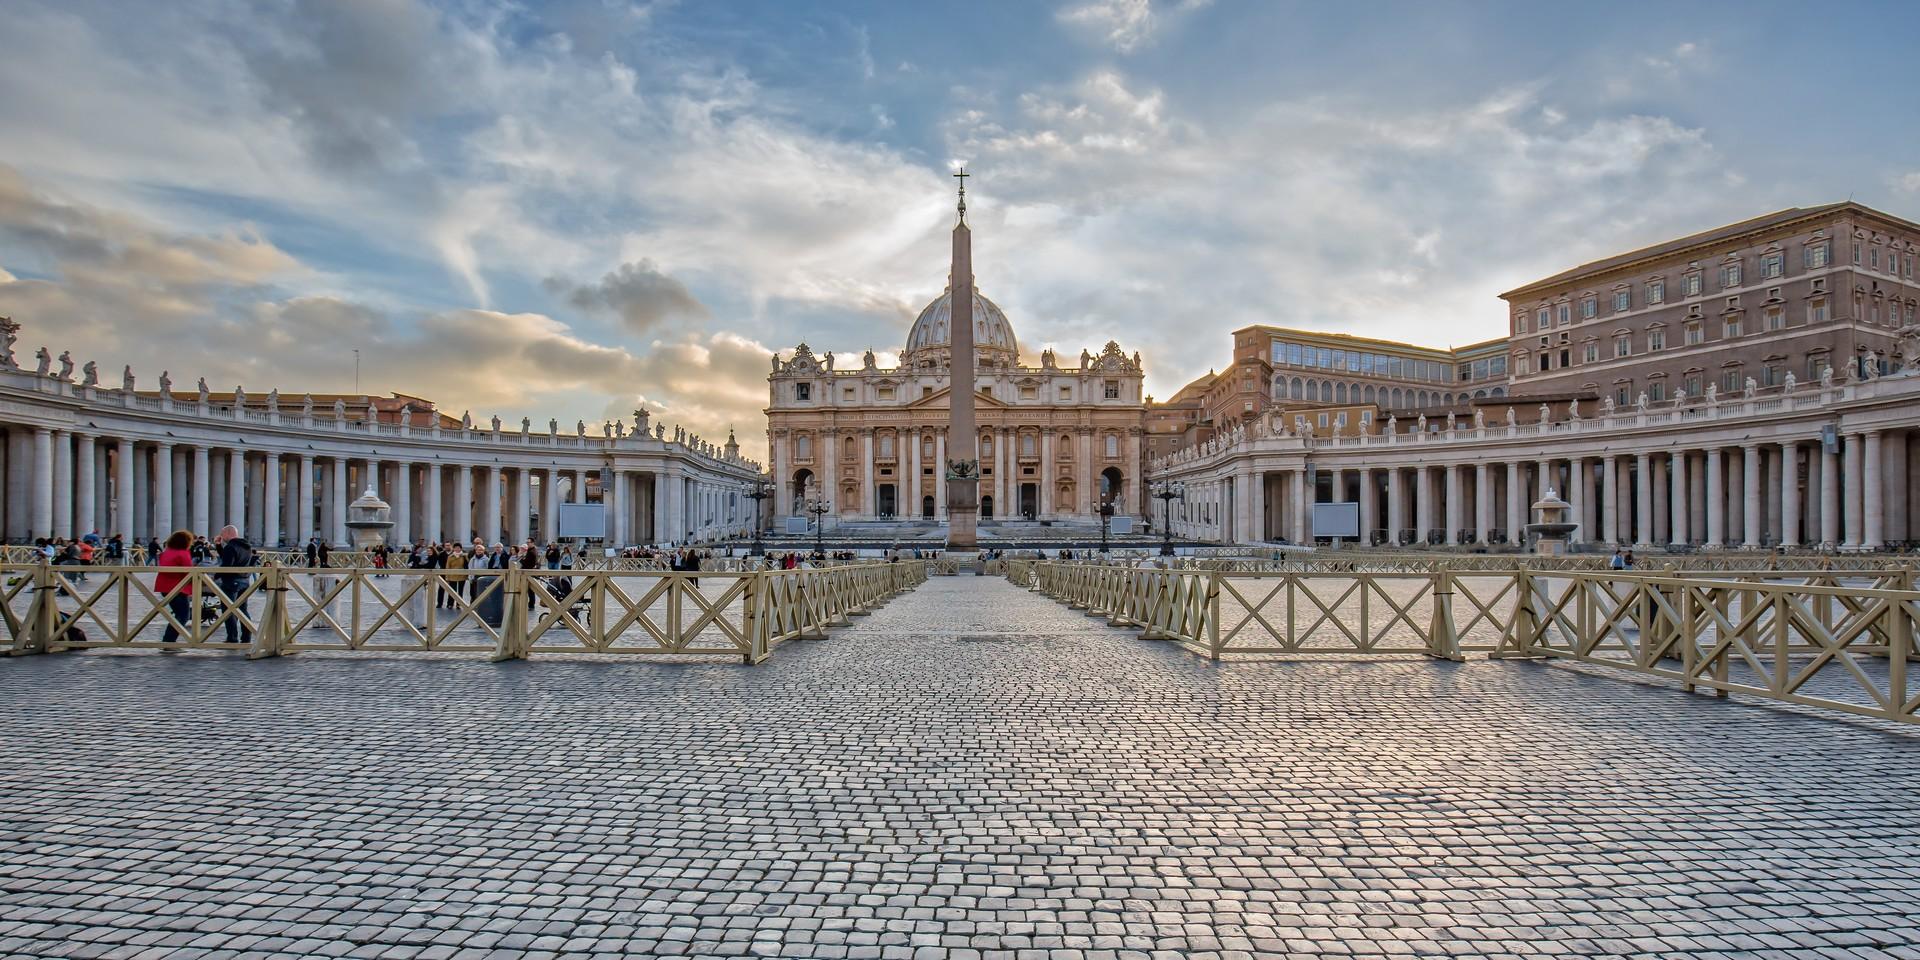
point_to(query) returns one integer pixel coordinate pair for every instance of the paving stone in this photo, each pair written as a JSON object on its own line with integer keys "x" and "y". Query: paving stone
{"x": 970, "y": 772}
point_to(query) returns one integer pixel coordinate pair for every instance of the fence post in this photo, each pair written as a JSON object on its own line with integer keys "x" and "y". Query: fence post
{"x": 1899, "y": 648}
{"x": 756, "y": 624}
{"x": 43, "y": 615}
{"x": 1443, "y": 639}
{"x": 1526, "y": 635}
{"x": 270, "y": 637}
{"x": 1213, "y": 615}
{"x": 513, "y": 616}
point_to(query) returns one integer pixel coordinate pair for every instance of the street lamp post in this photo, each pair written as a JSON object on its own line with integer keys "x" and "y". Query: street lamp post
{"x": 760, "y": 492}
{"x": 818, "y": 507}
{"x": 1167, "y": 491}
{"x": 1106, "y": 521}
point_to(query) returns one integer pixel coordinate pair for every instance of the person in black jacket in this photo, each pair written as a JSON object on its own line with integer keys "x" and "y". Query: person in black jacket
{"x": 235, "y": 551}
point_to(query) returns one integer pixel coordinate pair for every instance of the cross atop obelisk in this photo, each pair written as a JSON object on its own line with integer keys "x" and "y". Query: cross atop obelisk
{"x": 963, "y": 465}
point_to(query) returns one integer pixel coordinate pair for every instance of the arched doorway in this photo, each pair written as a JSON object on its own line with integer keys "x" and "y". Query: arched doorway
{"x": 1110, "y": 485}
{"x": 926, "y": 507}
{"x": 986, "y": 507}
{"x": 802, "y": 479}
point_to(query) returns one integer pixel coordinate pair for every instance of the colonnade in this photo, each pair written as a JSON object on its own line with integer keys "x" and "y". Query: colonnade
{"x": 1860, "y": 496}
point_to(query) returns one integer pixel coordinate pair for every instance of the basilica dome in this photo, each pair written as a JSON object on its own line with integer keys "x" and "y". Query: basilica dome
{"x": 992, "y": 335}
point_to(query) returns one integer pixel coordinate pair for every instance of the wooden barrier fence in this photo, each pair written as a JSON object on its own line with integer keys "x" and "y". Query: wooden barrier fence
{"x": 1838, "y": 640}
{"x": 509, "y": 614}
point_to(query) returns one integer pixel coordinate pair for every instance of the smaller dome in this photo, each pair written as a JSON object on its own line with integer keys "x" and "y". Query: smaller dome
{"x": 992, "y": 334}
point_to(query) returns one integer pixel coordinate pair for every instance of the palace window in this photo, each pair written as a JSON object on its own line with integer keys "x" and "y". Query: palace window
{"x": 1589, "y": 308}
{"x": 1111, "y": 389}
{"x": 1773, "y": 375}
{"x": 886, "y": 393}
{"x": 1817, "y": 255}
{"x": 1623, "y": 393}
{"x": 1622, "y": 346}
{"x": 1656, "y": 340}
{"x": 1773, "y": 265}
{"x": 1657, "y": 390}
{"x": 1113, "y": 445}
{"x": 1732, "y": 328}
{"x": 1544, "y": 317}
{"x": 846, "y": 393}
{"x": 1566, "y": 314}
{"x": 1066, "y": 393}
{"x": 1730, "y": 275}
{"x": 1622, "y": 300}
{"x": 1776, "y": 318}
{"x": 1816, "y": 362}
{"x": 886, "y": 445}
{"x": 1591, "y": 352}
{"x": 1695, "y": 334}
{"x": 1657, "y": 291}
{"x": 803, "y": 447}
{"x": 1691, "y": 384}
{"x": 1817, "y": 310}
{"x": 1690, "y": 285}
{"x": 1028, "y": 393}
{"x": 1026, "y": 444}
{"x": 1731, "y": 380}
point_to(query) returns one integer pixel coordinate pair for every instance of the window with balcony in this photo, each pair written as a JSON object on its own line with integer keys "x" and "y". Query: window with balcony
{"x": 1732, "y": 380}
{"x": 1657, "y": 390}
{"x": 1691, "y": 384}
{"x": 1623, "y": 393}
{"x": 1816, "y": 362}
{"x": 1773, "y": 375}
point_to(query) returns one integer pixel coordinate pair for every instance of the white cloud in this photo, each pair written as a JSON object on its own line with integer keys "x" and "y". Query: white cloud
{"x": 1907, "y": 182}
{"x": 1125, "y": 25}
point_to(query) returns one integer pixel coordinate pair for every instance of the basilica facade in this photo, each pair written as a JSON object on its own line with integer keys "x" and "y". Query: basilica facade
{"x": 1056, "y": 440}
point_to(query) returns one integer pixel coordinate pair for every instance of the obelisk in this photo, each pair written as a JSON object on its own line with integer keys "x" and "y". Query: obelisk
{"x": 963, "y": 441}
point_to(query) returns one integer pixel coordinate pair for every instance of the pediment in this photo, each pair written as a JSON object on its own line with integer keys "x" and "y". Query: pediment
{"x": 937, "y": 400}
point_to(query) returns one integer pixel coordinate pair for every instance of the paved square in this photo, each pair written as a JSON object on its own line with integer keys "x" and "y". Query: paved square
{"x": 972, "y": 772}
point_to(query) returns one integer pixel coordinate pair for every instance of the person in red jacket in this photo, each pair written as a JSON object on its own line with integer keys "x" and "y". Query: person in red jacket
{"x": 176, "y": 564}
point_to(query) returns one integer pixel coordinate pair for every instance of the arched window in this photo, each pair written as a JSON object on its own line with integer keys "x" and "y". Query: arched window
{"x": 1026, "y": 444}
{"x": 803, "y": 447}
{"x": 1113, "y": 444}
{"x": 1369, "y": 393}
{"x": 1296, "y": 390}
{"x": 1326, "y": 392}
{"x": 1340, "y": 393}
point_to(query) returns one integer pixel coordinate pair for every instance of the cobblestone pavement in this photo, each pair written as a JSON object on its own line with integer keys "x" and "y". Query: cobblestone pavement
{"x": 971, "y": 772}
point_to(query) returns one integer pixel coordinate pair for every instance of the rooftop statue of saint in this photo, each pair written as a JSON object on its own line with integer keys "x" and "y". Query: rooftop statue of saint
{"x": 90, "y": 374}
{"x": 66, "y": 364}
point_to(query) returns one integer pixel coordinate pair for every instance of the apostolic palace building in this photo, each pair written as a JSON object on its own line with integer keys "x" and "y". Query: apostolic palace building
{"x": 1751, "y": 386}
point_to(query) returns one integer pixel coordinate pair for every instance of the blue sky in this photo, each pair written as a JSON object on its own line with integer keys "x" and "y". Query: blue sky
{"x": 568, "y": 209}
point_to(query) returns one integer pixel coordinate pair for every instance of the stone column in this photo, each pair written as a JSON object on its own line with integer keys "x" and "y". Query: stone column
{"x": 462, "y": 503}
{"x": 270, "y": 533}
{"x": 1482, "y": 502}
{"x": 63, "y": 484}
{"x": 1874, "y": 493}
{"x": 550, "y": 506}
{"x": 1423, "y": 502}
{"x": 1396, "y": 506}
{"x": 1829, "y": 498}
{"x": 1083, "y": 495}
{"x": 522, "y": 510}
{"x": 490, "y": 506}
{"x": 1643, "y": 501}
{"x": 302, "y": 494}
{"x": 1895, "y": 457}
{"x": 162, "y": 480}
{"x": 86, "y": 495}
{"x": 1750, "y": 493}
{"x": 403, "y": 502}
{"x": 1851, "y": 510}
{"x": 1772, "y": 486}
{"x": 237, "y": 491}
{"x": 199, "y": 485}
{"x": 1789, "y": 494}
{"x": 1716, "y": 500}
{"x": 1610, "y": 525}
{"x": 1046, "y": 473}
{"x": 430, "y": 520}
{"x": 614, "y": 488}
{"x": 777, "y": 455}
{"x": 1677, "y": 500}
{"x": 42, "y": 510}
{"x": 869, "y": 499}
{"x": 1543, "y": 478}
{"x": 1369, "y": 506}
{"x": 1003, "y": 456}
{"x": 1516, "y": 502}
{"x": 1587, "y": 509}
{"x": 341, "y": 495}
{"x": 1454, "y": 521}
{"x": 662, "y": 520}
{"x": 1297, "y": 498}
{"x": 123, "y": 490}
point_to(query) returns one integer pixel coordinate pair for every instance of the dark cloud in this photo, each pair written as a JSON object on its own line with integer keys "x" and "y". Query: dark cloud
{"x": 642, "y": 296}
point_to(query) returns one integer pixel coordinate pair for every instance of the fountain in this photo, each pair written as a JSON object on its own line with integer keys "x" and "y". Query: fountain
{"x": 368, "y": 519}
{"x": 1551, "y": 529}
